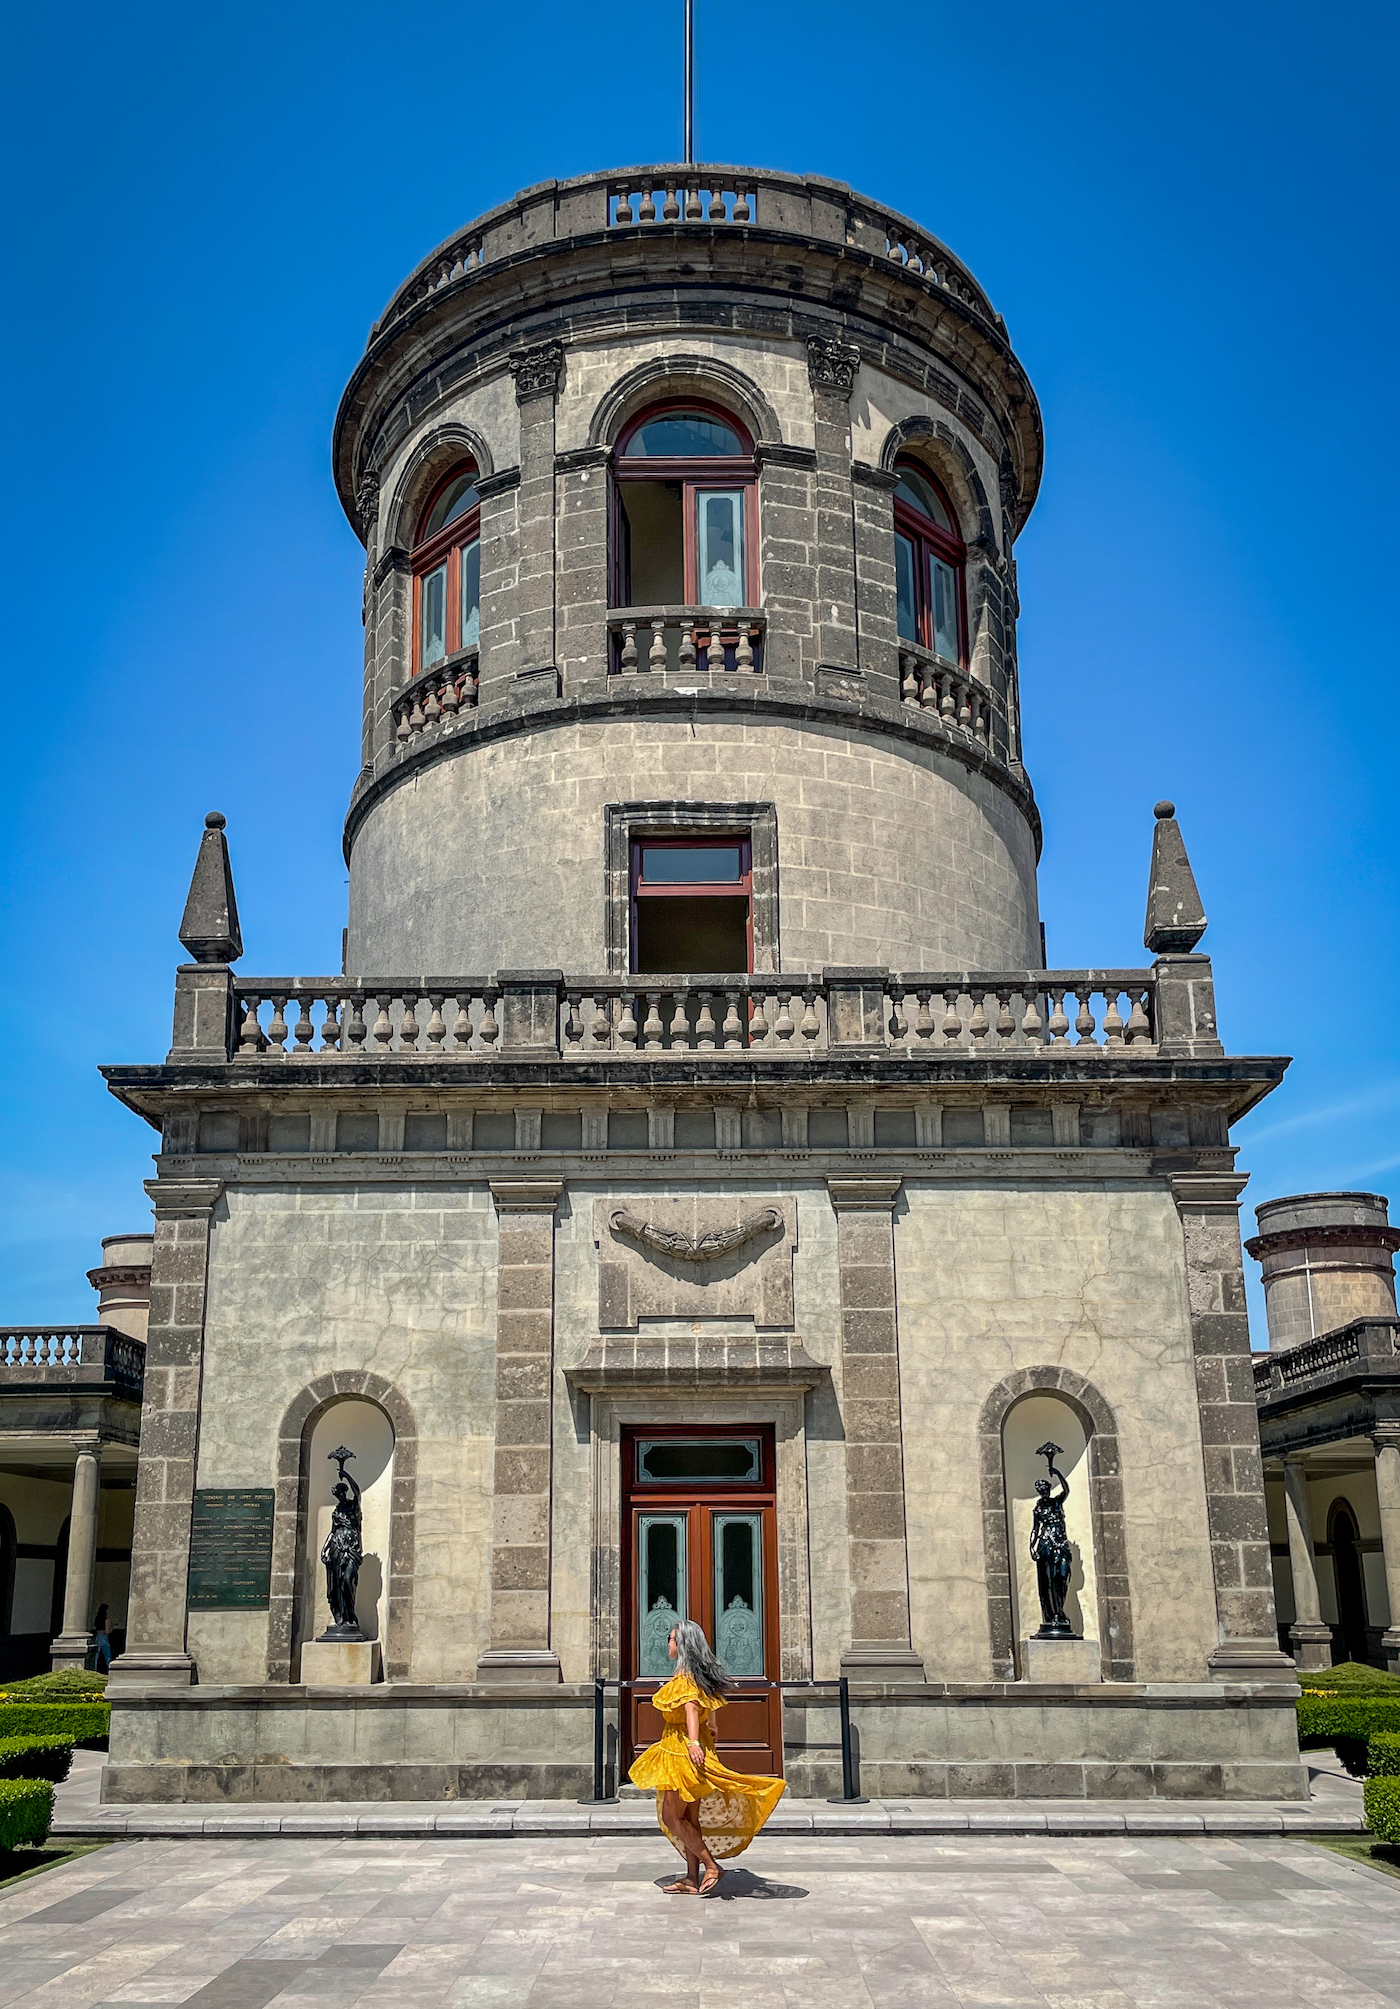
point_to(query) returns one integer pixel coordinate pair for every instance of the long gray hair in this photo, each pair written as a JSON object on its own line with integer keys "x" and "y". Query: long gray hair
{"x": 693, "y": 1657}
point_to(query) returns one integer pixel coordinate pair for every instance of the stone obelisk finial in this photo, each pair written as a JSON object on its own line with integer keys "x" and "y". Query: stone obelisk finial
{"x": 210, "y": 928}
{"x": 1176, "y": 920}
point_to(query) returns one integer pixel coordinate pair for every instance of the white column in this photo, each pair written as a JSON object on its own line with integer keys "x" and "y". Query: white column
{"x": 1309, "y": 1636}
{"x": 71, "y": 1647}
{"x": 1387, "y": 1442}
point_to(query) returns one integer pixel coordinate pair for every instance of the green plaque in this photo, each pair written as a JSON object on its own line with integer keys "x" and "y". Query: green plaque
{"x": 231, "y": 1549}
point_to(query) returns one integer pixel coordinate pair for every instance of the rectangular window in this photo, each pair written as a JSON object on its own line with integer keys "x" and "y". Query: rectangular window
{"x": 699, "y": 1461}
{"x": 433, "y": 643}
{"x": 692, "y": 907}
{"x": 720, "y": 541}
{"x": 470, "y": 561}
{"x": 904, "y": 589}
{"x": 943, "y": 600}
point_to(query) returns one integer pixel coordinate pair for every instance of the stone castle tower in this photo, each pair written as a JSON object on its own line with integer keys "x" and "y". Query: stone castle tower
{"x": 694, "y": 1196}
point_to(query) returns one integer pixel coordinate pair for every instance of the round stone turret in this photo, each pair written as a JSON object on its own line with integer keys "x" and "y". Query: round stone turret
{"x": 689, "y": 500}
{"x": 122, "y": 1281}
{"x": 1327, "y": 1259}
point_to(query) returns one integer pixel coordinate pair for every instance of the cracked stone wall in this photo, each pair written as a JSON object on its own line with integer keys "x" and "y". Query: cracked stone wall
{"x": 397, "y": 1280}
{"x": 995, "y": 1278}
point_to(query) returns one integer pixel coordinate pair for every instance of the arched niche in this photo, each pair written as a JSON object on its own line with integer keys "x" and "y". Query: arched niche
{"x": 1031, "y": 1422}
{"x": 362, "y": 1427}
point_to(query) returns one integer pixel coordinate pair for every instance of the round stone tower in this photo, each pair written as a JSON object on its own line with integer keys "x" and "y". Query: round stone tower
{"x": 689, "y": 500}
{"x": 1327, "y": 1259}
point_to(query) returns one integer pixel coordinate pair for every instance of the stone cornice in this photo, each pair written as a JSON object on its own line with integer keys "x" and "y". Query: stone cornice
{"x": 190, "y": 1196}
{"x": 1357, "y": 1236}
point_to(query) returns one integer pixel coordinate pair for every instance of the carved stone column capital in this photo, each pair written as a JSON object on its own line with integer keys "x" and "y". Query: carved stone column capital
{"x": 367, "y": 502}
{"x": 537, "y": 370}
{"x": 832, "y": 365}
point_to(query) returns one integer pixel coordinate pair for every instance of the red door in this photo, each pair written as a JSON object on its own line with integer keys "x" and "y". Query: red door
{"x": 700, "y": 1523}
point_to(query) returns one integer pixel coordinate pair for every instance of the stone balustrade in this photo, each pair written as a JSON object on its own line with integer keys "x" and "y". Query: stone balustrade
{"x": 35, "y": 1355}
{"x": 436, "y": 697}
{"x": 1103, "y": 1012}
{"x": 951, "y": 694}
{"x": 678, "y": 198}
{"x": 684, "y": 641}
{"x": 1366, "y": 1347}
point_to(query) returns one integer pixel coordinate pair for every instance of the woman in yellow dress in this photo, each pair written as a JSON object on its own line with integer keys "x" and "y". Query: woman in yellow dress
{"x": 704, "y": 1810}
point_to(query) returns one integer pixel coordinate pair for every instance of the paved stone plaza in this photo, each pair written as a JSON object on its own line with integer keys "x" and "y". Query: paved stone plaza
{"x": 1093, "y": 1923}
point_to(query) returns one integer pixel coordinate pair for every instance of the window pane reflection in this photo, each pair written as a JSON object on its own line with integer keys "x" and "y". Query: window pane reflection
{"x": 434, "y": 638}
{"x": 738, "y": 1593}
{"x": 471, "y": 594}
{"x": 660, "y": 1591}
{"x": 945, "y": 609}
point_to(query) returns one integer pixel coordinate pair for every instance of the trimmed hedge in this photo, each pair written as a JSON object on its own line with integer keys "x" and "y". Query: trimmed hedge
{"x": 1324, "y": 1718}
{"x": 26, "y": 1809}
{"x": 73, "y": 1722}
{"x": 68, "y": 1684}
{"x": 1383, "y": 1755}
{"x": 1350, "y": 1677}
{"x": 1383, "y": 1808}
{"x": 35, "y": 1758}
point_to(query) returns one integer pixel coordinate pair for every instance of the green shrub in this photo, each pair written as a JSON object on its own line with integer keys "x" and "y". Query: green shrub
{"x": 26, "y": 1809}
{"x": 73, "y": 1722}
{"x": 36, "y": 1758}
{"x": 67, "y": 1684}
{"x": 1323, "y": 1719}
{"x": 1383, "y": 1755}
{"x": 1350, "y": 1677}
{"x": 1383, "y": 1808}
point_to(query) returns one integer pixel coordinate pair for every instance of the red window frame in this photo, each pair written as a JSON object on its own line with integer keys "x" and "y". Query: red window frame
{"x": 429, "y": 553}
{"x": 690, "y": 889}
{"x": 695, "y": 475}
{"x": 930, "y": 539}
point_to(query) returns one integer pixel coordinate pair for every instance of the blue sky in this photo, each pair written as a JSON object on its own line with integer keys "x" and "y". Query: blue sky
{"x": 1187, "y": 217}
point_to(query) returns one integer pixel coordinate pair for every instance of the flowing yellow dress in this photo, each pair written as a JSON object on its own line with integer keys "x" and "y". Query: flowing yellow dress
{"x": 733, "y": 1805}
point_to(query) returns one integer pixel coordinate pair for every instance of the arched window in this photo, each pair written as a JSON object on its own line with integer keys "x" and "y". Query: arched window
{"x": 930, "y": 560}
{"x": 685, "y": 523}
{"x": 447, "y": 571}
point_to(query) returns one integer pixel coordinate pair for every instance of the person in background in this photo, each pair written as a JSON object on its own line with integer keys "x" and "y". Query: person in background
{"x": 101, "y": 1641}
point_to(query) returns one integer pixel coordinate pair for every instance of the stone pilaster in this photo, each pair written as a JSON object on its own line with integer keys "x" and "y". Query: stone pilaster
{"x": 1309, "y": 1635}
{"x": 1387, "y": 1442}
{"x": 831, "y": 367}
{"x": 787, "y": 560}
{"x": 537, "y": 372}
{"x": 880, "y": 1648}
{"x": 520, "y": 1648}
{"x": 156, "y": 1654}
{"x": 873, "y": 491}
{"x": 1246, "y": 1626}
{"x": 581, "y": 588}
{"x": 70, "y": 1649}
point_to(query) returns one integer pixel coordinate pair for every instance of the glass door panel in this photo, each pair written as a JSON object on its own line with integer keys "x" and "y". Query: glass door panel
{"x": 905, "y": 600}
{"x": 738, "y": 1566}
{"x": 720, "y": 538}
{"x": 661, "y": 1590}
{"x": 943, "y": 604}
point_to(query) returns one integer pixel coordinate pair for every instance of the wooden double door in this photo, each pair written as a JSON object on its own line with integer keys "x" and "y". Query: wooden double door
{"x": 700, "y": 1522}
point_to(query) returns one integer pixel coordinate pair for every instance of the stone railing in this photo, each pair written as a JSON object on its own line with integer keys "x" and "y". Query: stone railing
{"x": 681, "y": 198}
{"x": 953, "y": 695}
{"x": 541, "y": 1014}
{"x": 673, "y": 198}
{"x": 1367, "y": 1346}
{"x": 63, "y": 1355}
{"x": 685, "y": 640}
{"x": 436, "y": 697}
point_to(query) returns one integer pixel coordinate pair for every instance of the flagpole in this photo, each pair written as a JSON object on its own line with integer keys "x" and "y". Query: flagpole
{"x": 690, "y": 83}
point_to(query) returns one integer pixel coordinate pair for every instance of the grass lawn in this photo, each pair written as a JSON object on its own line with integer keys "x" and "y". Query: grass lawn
{"x": 17, "y": 1864}
{"x": 1361, "y": 1849}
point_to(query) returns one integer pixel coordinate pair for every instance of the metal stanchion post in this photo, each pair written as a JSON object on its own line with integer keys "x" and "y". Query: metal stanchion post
{"x": 848, "y": 1795}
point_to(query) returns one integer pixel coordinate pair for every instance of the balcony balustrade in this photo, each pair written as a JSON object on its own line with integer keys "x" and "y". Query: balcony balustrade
{"x": 436, "y": 697}
{"x": 684, "y": 641}
{"x": 1100, "y": 1012}
{"x": 61, "y": 1356}
{"x": 1367, "y": 1347}
{"x": 953, "y": 695}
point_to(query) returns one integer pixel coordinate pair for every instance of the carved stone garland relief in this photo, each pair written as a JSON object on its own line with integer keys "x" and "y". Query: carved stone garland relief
{"x": 694, "y": 1258}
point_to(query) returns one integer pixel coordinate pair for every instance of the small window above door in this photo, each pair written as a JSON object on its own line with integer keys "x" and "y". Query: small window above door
{"x": 699, "y": 1461}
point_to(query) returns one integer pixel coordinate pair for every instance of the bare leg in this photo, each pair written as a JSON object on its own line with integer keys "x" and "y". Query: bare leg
{"x": 674, "y": 1823}
{"x": 696, "y": 1847}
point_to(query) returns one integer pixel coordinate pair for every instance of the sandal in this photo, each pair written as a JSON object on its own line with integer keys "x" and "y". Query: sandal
{"x": 682, "y": 1887}
{"x": 710, "y": 1882}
